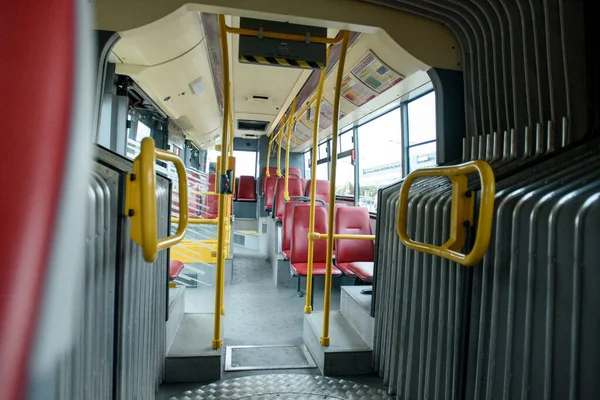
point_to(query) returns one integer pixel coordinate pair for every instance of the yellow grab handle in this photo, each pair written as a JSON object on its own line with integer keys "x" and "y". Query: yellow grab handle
{"x": 141, "y": 200}
{"x": 462, "y": 211}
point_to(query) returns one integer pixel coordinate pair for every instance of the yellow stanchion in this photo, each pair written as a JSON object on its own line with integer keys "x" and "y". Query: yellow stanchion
{"x": 313, "y": 189}
{"x": 334, "y": 136}
{"x": 286, "y": 193}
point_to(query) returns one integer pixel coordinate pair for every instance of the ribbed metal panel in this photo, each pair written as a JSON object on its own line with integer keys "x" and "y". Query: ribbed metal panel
{"x": 86, "y": 370}
{"x": 142, "y": 314}
{"x": 521, "y": 324}
{"x": 534, "y": 325}
{"x": 119, "y": 346}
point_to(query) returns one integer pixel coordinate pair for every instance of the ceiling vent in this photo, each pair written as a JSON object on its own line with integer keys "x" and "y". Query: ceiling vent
{"x": 252, "y": 125}
{"x": 257, "y": 99}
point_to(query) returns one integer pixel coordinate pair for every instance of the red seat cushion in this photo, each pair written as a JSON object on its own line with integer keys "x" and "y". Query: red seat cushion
{"x": 175, "y": 267}
{"x": 287, "y": 253}
{"x": 270, "y": 191}
{"x": 355, "y": 221}
{"x": 322, "y": 190}
{"x": 301, "y": 269}
{"x": 294, "y": 190}
{"x": 246, "y": 189}
{"x": 362, "y": 269}
{"x": 344, "y": 268}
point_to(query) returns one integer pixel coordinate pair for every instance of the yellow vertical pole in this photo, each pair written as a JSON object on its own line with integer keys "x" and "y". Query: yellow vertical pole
{"x": 286, "y": 193}
{"x": 228, "y": 215}
{"x": 268, "y": 159}
{"x": 313, "y": 188}
{"x": 330, "y": 223}
{"x": 231, "y": 132}
{"x": 280, "y": 137}
{"x": 217, "y": 342}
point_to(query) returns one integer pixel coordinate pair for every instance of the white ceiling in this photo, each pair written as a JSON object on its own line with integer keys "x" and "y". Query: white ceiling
{"x": 165, "y": 56}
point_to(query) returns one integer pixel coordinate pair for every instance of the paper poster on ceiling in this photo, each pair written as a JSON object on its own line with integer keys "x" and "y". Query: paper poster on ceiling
{"x": 355, "y": 91}
{"x": 303, "y": 132}
{"x": 326, "y": 118}
{"x": 375, "y": 73}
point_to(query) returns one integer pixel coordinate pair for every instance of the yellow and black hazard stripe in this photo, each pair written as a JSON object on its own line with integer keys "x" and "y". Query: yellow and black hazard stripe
{"x": 282, "y": 62}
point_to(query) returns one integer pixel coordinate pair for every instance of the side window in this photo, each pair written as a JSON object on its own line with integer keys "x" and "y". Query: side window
{"x": 421, "y": 132}
{"x": 380, "y": 156}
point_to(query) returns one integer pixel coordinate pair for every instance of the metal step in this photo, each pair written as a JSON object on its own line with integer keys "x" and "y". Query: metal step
{"x": 356, "y": 308}
{"x": 191, "y": 357}
{"x": 347, "y": 354}
{"x": 176, "y": 314}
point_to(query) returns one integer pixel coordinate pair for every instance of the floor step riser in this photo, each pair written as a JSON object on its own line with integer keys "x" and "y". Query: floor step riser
{"x": 356, "y": 315}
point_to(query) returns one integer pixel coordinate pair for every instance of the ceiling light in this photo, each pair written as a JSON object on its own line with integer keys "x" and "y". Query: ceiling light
{"x": 197, "y": 86}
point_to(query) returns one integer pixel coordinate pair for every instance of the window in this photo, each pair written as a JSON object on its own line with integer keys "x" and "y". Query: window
{"x": 143, "y": 131}
{"x": 380, "y": 156}
{"x": 344, "y": 177}
{"x": 345, "y": 142}
{"x": 421, "y": 132}
{"x": 245, "y": 163}
{"x": 323, "y": 171}
{"x": 307, "y": 172}
{"x": 323, "y": 153}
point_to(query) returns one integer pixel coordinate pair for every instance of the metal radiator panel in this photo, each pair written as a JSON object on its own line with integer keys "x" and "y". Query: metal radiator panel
{"x": 86, "y": 370}
{"x": 142, "y": 313}
{"x": 521, "y": 324}
{"x": 120, "y": 330}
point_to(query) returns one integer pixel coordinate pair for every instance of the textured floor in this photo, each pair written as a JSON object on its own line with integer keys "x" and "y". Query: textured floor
{"x": 283, "y": 386}
{"x": 259, "y": 313}
{"x": 256, "y": 311}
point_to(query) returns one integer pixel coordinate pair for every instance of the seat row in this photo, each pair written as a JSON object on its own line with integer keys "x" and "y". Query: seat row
{"x": 352, "y": 257}
{"x": 245, "y": 192}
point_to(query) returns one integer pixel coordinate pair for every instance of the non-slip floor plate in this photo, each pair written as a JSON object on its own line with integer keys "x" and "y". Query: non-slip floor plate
{"x": 284, "y": 386}
{"x": 245, "y": 358}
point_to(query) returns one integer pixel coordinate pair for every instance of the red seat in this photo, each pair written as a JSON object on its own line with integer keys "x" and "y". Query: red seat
{"x": 175, "y": 268}
{"x": 322, "y": 190}
{"x": 362, "y": 269}
{"x": 211, "y": 201}
{"x": 246, "y": 189}
{"x": 299, "y": 242}
{"x": 270, "y": 191}
{"x": 286, "y": 237}
{"x": 295, "y": 172}
{"x": 272, "y": 172}
{"x": 355, "y": 221}
{"x": 294, "y": 190}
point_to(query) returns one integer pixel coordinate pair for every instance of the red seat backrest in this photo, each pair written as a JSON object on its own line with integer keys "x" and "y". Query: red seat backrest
{"x": 272, "y": 172}
{"x": 270, "y": 191}
{"x": 355, "y": 221}
{"x": 299, "y": 241}
{"x": 295, "y": 172}
{"x": 211, "y": 201}
{"x": 246, "y": 188}
{"x": 322, "y": 190}
{"x": 286, "y": 237}
{"x": 294, "y": 190}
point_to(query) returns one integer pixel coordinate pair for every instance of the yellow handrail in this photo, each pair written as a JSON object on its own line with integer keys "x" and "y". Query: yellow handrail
{"x": 197, "y": 221}
{"x": 318, "y": 236}
{"x": 332, "y": 175}
{"x": 462, "y": 211}
{"x": 279, "y": 174}
{"x": 313, "y": 188}
{"x": 268, "y": 160}
{"x": 286, "y": 193}
{"x": 217, "y": 342}
{"x": 141, "y": 200}
{"x": 284, "y": 36}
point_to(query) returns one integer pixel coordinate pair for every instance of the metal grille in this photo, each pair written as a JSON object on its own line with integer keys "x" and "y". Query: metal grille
{"x": 120, "y": 294}
{"x": 86, "y": 370}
